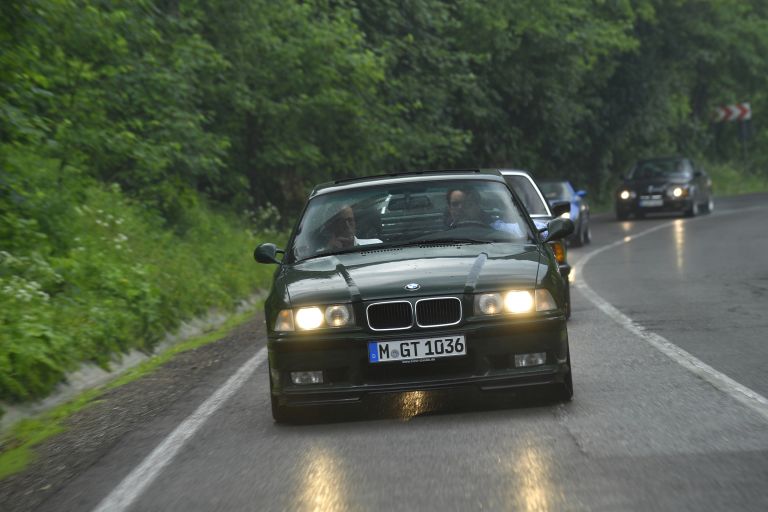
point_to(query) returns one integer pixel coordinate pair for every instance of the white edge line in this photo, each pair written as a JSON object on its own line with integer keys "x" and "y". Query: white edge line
{"x": 143, "y": 475}
{"x": 741, "y": 393}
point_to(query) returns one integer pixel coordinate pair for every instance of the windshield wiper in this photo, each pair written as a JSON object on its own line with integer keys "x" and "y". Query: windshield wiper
{"x": 430, "y": 241}
{"x": 356, "y": 248}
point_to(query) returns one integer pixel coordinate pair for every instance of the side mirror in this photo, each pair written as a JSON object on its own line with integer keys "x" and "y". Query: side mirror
{"x": 698, "y": 174}
{"x": 559, "y": 229}
{"x": 581, "y": 193}
{"x": 267, "y": 253}
{"x": 560, "y": 207}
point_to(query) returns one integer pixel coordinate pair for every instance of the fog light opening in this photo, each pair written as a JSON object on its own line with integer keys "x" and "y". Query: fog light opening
{"x": 534, "y": 359}
{"x": 302, "y": 378}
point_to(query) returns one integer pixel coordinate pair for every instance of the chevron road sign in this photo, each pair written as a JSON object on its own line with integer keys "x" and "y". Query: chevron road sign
{"x": 737, "y": 112}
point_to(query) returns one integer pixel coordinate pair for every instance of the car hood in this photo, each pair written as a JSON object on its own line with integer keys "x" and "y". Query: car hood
{"x": 382, "y": 274}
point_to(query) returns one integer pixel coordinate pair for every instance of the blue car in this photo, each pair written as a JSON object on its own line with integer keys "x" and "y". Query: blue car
{"x": 558, "y": 192}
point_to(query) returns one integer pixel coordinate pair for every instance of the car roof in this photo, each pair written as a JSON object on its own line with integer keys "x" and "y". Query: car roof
{"x": 405, "y": 177}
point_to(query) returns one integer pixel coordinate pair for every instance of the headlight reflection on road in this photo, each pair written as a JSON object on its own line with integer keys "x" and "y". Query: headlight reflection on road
{"x": 323, "y": 482}
{"x": 412, "y": 404}
{"x": 680, "y": 244}
{"x": 534, "y": 490}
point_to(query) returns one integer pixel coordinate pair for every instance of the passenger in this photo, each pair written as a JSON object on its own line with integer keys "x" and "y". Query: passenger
{"x": 342, "y": 228}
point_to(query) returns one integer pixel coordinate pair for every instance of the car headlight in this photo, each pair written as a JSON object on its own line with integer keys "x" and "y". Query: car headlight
{"x": 489, "y": 303}
{"x": 627, "y": 194}
{"x": 677, "y": 192}
{"x": 309, "y": 318}
{"x": 337, "y": 315}
{"x": 518, "y": 301}
{"x": 514, "y": 301}
{"x": 314, "y": 317}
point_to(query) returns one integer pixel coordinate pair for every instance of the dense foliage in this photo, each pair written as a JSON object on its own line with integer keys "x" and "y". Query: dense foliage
{"x": 141, "y": 141}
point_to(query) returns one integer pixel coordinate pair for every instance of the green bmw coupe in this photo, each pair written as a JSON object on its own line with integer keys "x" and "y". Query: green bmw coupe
{"x": 414, "y": 281}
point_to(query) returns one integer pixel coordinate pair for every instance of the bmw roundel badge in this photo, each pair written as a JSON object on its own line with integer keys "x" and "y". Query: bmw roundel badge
{"x": 412, "y": 287}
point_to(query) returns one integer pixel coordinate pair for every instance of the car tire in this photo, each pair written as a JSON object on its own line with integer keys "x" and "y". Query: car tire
{"x": 564, "y": 390}
{"x": 693, "y": 210}
{"x": 279, "y": 412}
{"x": 587, "y": 238}
{"x": 709, "y": 206}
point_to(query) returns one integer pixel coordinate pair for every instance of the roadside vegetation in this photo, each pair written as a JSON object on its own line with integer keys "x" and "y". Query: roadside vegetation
{"x": 147, "y": 145}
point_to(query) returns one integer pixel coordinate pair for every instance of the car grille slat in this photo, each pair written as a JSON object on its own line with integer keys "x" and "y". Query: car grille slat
{"x": 390, "y": 316}
{"x": 438, "y": 312}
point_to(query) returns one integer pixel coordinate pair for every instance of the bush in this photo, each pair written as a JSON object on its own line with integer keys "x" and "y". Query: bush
{"x": 87, "y": 273}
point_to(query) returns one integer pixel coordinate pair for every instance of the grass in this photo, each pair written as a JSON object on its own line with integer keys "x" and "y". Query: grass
{"x": 18, "y": 445}
{"x": 729, "y": 181}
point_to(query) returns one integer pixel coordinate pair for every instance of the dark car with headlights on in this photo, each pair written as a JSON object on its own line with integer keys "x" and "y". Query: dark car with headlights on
{"x": 542, "y": 211}
{"x": 664, "y": 185}
{"x": 415, "y": 281}
{"x": 578, "y": 208}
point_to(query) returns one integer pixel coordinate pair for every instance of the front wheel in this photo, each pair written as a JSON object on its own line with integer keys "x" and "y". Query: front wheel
{"x": 709, "y": 206}
{"x": 279, "y": 412}
{"x": 564, "y": 390}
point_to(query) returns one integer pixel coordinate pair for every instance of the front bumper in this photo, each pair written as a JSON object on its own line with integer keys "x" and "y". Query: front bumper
{"x": 648, "y": 205}
{"x": 488, "y": 364}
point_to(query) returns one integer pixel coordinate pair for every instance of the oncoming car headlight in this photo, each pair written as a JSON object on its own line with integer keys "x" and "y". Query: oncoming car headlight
{"x": 627, "y": 194}
{"x": 314, "y": 317}
{"x": 677, "y": 192}
{"x": 514, "y": 302}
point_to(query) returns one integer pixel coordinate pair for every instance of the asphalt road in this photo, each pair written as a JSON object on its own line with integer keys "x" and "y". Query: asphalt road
{"x": 669, "y": 341}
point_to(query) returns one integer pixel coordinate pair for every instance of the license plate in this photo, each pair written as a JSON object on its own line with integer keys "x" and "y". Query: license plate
{"x": 413, "y": 350}
{"x": 650, "y": 203}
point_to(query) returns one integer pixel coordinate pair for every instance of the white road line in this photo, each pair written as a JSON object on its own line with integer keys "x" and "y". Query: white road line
{"x": 144, "y": 474}
{"x": 743, "y": 394}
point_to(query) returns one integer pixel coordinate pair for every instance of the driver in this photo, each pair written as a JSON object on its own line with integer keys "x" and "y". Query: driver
{"x": 464, "y": 209}
{"x": 463, "y": 206}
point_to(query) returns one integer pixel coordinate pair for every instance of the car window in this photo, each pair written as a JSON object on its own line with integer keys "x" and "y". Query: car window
{"x": 556, "y": 190}
{"x": 404, "y": 212}
{"x": 527, "y": 193}
{"x": 662, "y": 168}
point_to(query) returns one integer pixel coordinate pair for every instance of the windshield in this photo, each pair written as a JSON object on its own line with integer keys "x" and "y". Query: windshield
{"x": 468, "y": 211}
{"x": 556, "y": 190}
{"x": 666, "y": 168}
{"x": 527, "y": 193}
